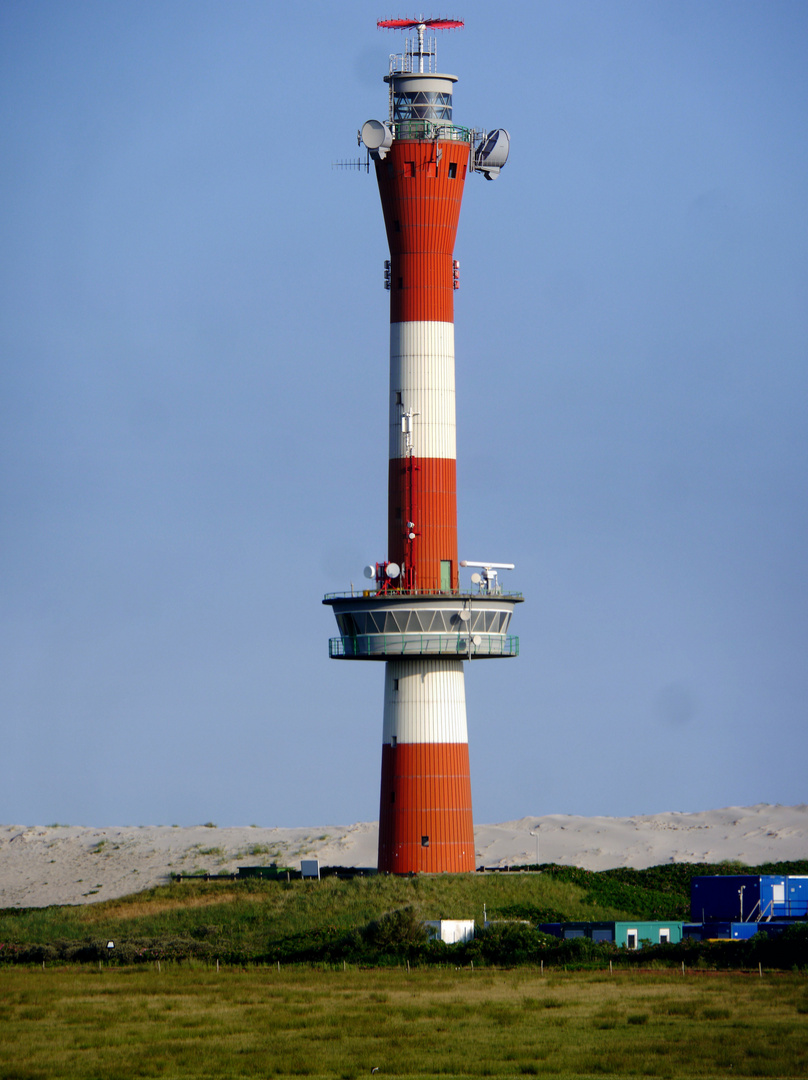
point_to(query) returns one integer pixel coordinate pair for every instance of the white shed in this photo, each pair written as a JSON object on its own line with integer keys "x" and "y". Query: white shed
{"x": 450, "y": 931}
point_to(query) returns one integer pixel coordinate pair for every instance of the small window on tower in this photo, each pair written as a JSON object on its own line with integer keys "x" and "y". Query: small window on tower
{"x": 452, "y": 170}
{"x": 424, "y": 841}
{"x": 397, "y": 226}
{"x": 398, "y": 398}
{"x": 401, "y": 283}
{"x": 409, "y": 168}
{"x": 394, "y": 740}
{"x": 392, "y": 796}
{"x": 395, "y": 684}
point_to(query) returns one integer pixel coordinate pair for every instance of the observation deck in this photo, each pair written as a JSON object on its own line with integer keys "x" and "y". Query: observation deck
{"x": 380, "y": 625}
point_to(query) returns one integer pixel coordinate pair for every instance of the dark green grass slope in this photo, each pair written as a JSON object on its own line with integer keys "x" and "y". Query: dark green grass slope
{"x": 245, "y": 916}
{"x": 331, "y": 920}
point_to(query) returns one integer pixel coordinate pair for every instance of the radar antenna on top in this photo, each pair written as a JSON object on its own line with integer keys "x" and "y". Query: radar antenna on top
{"x": 421, "y": 25}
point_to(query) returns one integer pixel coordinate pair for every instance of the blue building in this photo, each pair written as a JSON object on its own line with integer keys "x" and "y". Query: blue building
{"x": 748, "y": 898}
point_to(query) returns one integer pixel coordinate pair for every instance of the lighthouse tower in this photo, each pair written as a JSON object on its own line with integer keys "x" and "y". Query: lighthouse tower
{"x": 415, "y": 615}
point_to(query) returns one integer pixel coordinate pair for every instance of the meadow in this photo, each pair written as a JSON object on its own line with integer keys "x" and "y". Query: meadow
{"x": 85, "y": 1022}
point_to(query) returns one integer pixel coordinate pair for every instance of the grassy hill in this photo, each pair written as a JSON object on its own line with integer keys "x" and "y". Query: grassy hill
{"x": 364, "y": 919}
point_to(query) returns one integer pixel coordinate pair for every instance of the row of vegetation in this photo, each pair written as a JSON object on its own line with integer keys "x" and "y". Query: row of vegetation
{"x": 399, "y": 939}
{"x": 379, "y": 921}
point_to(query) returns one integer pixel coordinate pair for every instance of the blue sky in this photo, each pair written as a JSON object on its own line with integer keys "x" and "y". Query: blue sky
{"x": 194, "y": 409}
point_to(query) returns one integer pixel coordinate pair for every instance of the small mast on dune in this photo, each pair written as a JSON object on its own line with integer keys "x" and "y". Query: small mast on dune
{"x": 415, "y": 615}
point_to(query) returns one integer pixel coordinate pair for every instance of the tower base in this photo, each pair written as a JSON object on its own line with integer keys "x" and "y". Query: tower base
{"x": 425, "y": 818}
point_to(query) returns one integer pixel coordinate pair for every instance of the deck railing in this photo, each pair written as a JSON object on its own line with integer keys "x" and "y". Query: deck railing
{"x": 431, "y": 129}
{"x": 364, "y": 646}
{"x": 423, "y": 594}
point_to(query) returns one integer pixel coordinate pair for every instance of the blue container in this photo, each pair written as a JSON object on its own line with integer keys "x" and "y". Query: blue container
{"x": 796, "y": 898}
{"x": 748, "y": 897}
{"x": 716, "y": 930}
{"x": 693, "y": 931}
{"x": 553, "y": 928}
{"x": 724, "y": 898}
{"x": 742, "y": 931}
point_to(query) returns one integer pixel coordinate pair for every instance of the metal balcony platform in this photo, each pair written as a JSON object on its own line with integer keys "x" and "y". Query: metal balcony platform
{"x": 454, "y": 646}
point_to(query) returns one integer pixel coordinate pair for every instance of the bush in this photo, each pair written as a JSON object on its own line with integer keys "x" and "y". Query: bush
{"x": 403, "y": 927}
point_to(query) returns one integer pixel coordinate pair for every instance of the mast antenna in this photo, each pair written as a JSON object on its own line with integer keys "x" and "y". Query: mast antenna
{"x": 420, "y": 24}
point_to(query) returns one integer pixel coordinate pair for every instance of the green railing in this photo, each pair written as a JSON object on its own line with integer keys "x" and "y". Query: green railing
{"x": 424, "y": 594}
{"x": 379, "y": 646}
{"x": 431, "y": 129}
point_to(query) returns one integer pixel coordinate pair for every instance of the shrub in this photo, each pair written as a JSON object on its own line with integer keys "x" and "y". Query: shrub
{"x": 395, "y": 929}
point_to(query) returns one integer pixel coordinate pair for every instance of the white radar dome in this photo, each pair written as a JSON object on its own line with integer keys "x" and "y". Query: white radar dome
{"x": 377, "y": 137}
{"x": 493, "y": 153}
{"x": 370, "y": 571}
{"x": 392, "y": 570}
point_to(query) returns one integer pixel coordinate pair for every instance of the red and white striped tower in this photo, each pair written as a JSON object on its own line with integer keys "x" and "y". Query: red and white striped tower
{"x": 416, "y": 617}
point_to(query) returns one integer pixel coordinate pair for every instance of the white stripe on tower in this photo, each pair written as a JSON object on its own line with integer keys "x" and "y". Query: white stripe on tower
{"x": 422, "y": 376}
{"x": 425, "y": 701}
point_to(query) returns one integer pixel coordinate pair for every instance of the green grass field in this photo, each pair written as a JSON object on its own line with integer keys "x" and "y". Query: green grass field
{"x": 190, "y": 1020}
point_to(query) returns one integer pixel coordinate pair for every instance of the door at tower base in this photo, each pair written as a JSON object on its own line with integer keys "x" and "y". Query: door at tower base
{"x": 425, "y": 818}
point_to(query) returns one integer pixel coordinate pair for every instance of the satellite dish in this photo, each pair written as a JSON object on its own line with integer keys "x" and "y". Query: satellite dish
{"x": 392, "y": 569}
{"x": 493, "y": 153}
{"x": 476, "y": 639}
{"x": 377, "y": 137}
{"x": 370, "y": 571}
{"x": 463, "y": 615}
{"x": 476, "y": 579}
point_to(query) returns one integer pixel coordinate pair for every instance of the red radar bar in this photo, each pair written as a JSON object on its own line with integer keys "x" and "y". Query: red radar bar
{"x": 410, "y": 24}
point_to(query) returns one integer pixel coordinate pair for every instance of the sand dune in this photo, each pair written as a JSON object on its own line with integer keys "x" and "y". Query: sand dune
{"x": 57, "y": 864}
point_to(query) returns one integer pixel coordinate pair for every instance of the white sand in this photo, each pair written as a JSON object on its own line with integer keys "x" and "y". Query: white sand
{"x": 55, "y": 864}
